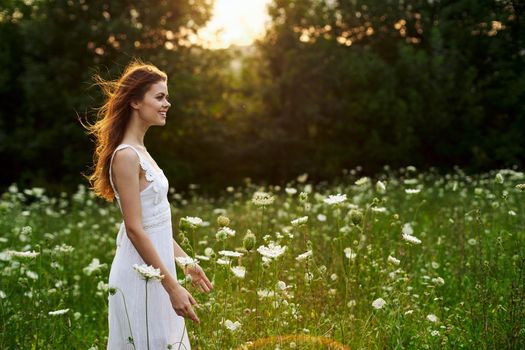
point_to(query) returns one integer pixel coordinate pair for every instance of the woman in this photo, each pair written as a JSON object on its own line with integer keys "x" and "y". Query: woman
{"x": 125, "y": 171}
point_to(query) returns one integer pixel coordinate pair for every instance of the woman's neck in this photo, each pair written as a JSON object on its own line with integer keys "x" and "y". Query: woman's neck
{"x": 135, "y": 132}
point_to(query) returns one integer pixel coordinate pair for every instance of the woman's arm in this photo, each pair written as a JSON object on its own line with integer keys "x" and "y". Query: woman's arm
{"x": 177, "y": 250}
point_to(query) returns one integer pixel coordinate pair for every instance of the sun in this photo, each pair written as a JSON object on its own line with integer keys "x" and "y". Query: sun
{"x": 235, "y": 22}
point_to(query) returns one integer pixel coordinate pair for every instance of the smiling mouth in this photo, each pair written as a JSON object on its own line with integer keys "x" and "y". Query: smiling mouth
{"x": 163, "y": 114}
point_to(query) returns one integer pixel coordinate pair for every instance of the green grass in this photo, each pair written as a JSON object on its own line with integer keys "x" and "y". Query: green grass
{"x": 472, "y": 237}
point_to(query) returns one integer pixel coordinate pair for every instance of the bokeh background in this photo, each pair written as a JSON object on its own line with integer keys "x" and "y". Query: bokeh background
{"x": 327, "y": 86}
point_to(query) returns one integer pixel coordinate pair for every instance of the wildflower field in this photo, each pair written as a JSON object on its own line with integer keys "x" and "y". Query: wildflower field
{"x": 405, "y": 260}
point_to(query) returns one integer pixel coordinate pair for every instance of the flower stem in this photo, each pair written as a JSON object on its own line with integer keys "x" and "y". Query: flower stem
{"x": 147, "y": 329}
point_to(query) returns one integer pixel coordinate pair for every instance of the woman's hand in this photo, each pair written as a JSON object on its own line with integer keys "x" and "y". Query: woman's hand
{"x": 182, "y": 302}
{"x": 198, "y": 277}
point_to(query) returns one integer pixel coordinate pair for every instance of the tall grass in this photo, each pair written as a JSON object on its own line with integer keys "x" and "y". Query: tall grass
{"x": 463, "y": 286}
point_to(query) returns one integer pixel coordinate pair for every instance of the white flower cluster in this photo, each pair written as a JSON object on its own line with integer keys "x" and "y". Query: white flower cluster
{"x": 362, "y": 181}
{"x": 24, "y": 255}
{"x": 186, "y": 261}
{"x": 239, "y": 271}
{"x": 407, "y": 234}
{"x": 304, "y": 256}
{"x": 335, "y": 199}
{"x": 58, "y": 312}
{"x": 63, "y": 248}
{"x": 393, "y": 260}
{"x": 272, "y": 251}
{"x": 378, "y": 303}
{"x": 148, "y": 272}
{"x": 232, "y": 326}
{"x": 230, "y": 253}
{"x": 196, "y": 221}
{"x": 262, "y": 198}
{"x": 299, "y": 221}
{"x": 94, "y": 266}
{"x": 349, "y": 253}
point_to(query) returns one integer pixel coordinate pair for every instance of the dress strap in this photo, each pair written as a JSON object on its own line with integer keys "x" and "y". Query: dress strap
{"x": 143, "y": 164}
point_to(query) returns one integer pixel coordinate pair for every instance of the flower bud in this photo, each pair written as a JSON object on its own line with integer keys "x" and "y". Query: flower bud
{"x": 356, "y": 216}
{"x": 249, "y": 241}
{"x": 223, "y": 221}
{"x": 499, "y": 178}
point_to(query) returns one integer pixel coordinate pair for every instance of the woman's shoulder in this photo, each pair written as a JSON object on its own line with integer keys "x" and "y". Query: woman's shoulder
{"x": 125, "y": 158}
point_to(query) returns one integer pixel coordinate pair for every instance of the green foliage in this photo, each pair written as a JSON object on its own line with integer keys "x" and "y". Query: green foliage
{"x": 332, "y": 85}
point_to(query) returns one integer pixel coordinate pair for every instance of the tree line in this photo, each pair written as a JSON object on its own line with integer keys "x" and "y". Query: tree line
{"x": 333, "y": 84}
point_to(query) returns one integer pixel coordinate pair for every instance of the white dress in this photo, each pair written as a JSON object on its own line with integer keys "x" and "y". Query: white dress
{"x": 164, "y": 325}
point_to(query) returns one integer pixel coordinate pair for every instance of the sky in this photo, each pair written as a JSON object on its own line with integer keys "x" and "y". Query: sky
{"x": 236, "y": 22}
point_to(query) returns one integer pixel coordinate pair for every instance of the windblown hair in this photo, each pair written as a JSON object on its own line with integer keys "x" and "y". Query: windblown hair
{"x": 113, "y": 118}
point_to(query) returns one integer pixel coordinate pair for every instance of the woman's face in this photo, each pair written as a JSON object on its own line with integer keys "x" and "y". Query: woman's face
{"x": 154, "y": 106}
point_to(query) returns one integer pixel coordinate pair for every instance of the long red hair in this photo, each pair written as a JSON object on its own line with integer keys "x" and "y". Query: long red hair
{"x": 113, "y": 118}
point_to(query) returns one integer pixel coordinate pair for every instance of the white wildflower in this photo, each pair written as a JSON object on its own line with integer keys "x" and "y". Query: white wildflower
{"x": 407, "y": 229}
{"x": 223, "y": 261}
{"x": 300, "y": 221}
{"x": 230, "y": 232}
{"x": 102, "y": 286}
{"x": 321, "y": 217}
{"x": 379, "y": 209}
{"x": 290, "y": 190}
{"x": 412, "y": 190}
{"x": 335, "y": 199}
{"x": 411, "y": 239}
{"x": 202, "y": 257}
{"x": 265, "y": 293}
{"x": 262, "y": 198}
{"x": 438, "y": 281}
{"x": 31, "y": 274}
{"x": 209, "y": 251}
{"x": 232, "y": 326}
{"x": 362, "y": 181}
{"x": 63, "y": 248}
{"x": 24, "y": 255}
{"x": 148, "y": 272}
{"x": 378, "y": 303}
{"x": 380, "y": 187}
{"x": 393, "y": 260}
{"x": 94, "y": 266}
{"x": 230, "y": 253}
{"x": 194, "y": 220}
{"x": 58, "y": 312}
{"x": 349, "y": 253}
{"x": 272, "y": 250}
{"x": 432, "y": 318}
{"x": 304, "y": 256}
{"x": 239, "y": 271}
{"x": 186, "y": 261}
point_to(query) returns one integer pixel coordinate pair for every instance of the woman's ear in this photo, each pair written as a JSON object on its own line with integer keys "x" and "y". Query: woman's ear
{"x": 134, "y": 104}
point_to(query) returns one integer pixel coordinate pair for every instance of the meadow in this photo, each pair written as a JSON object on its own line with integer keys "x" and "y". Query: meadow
{"x": 405, "y": 260}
